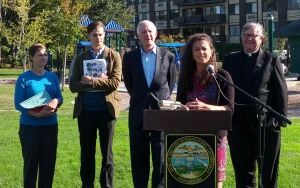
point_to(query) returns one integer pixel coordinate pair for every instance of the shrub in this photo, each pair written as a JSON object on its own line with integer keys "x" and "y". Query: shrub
{"x": 224, "y": 49}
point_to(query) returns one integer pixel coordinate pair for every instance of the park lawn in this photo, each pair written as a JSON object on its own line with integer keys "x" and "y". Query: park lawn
{"x": 10, "y": 73}
{"x": 14, "y": 73}
{"x": 68, "y": 156}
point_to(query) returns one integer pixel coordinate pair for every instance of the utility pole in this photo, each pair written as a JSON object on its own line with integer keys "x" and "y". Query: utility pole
{"x": 270, "y": 33}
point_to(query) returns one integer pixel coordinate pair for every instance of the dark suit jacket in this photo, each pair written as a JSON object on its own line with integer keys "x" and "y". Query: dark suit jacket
{"x": 110, "y": 85}
{"x": 265, "y": 81}
{"x": 135, "y": 81}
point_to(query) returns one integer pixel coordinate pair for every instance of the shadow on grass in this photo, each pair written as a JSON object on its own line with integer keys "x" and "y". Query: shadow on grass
{"x": 9, "y": 75}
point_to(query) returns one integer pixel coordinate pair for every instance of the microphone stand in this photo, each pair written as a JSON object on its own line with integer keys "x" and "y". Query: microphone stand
{"x": 260, "y": 113}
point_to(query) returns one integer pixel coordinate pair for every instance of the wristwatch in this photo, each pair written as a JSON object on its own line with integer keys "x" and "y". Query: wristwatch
{"x": 91, "y": 81}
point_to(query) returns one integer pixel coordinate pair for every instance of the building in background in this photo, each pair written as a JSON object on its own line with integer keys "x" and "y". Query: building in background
{"x": 221, "y": 19}
{"x": 240, "y": 12}
{"x": 161, "y": 12}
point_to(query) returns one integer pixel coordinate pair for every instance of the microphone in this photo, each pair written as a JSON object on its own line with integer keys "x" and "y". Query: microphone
{"x": 211, "y": 70}
{"x": 171, "y": 105}
{"x": 166, "y": 103}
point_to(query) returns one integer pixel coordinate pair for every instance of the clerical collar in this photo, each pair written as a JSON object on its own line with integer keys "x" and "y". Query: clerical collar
{"x": 250, "y": 54}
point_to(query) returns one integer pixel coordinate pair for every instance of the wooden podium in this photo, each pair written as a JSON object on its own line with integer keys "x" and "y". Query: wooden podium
{"x": 190, "y": 144}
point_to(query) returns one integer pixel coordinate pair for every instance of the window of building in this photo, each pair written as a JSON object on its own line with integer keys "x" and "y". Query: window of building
{"x": 144, "y": 16}
{"x": 275, "y": 25}
{"x": 143, "y": 1}
{"x": 207, "y": 11}
{"x": 251, "y": 8}
{"x": 191, "y": 31}
{"x": 234, "y": 9}
{"x": 160, "y": 1}
{"x": 234, "y": 30}
{"x": 270, "y": 5}
{"x": 220, "y": 9}
{"x": 161, "y": 15}
{"x": 215, "y": 30}
{"x": 174, "y": 31}
{"x": 189, "y": 12}
{"x": 293, "y": 4}
{"x": 174, "y": 13}
{"x": 130, "y": 2}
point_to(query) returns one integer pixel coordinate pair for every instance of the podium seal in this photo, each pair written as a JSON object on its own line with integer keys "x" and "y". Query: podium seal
{"x": 190, "y": 160}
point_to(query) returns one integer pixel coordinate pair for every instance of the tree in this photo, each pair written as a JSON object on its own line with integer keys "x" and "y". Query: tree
{"x": 116, "y": 10}
{"x": 1, "y": 26}
{"x": 52, "y": 22}
{"x": 21, "y": 9}
{"x": 64, "y": 27}
{"x": 170, "y": 38}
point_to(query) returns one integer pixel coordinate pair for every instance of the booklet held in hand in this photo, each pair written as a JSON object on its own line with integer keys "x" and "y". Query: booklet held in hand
{"x": 94, "y": 67}
{"x": 37, "y": 101}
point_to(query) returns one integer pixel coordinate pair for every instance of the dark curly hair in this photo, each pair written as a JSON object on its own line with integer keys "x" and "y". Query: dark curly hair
{"x": 188, "y": 64}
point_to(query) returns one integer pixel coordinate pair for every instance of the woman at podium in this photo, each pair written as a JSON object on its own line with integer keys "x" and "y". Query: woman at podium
{"x": 198, "y": 89}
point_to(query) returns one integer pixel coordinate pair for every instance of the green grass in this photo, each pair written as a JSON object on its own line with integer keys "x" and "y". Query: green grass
{"x": 10, "y": 73}
{"x": 68, "y": 156}
{"x": 14, "y": 73}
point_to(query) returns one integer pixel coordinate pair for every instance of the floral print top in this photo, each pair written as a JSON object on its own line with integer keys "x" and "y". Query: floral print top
{"x": 207, "y": 94}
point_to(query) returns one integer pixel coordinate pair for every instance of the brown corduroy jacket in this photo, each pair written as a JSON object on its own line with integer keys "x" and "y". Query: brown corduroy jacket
{"x": 109, "y": 85}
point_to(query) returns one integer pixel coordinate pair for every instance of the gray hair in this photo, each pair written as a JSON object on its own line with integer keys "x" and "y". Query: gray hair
{"x": 145, "y": 22}
{"x": 256, "y": 26}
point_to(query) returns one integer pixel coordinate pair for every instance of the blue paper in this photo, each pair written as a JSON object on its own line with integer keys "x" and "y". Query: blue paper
{"x": 40, "y": 99}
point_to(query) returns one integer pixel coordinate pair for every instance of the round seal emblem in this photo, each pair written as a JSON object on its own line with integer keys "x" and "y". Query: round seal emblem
{"x": 190, "y": 160}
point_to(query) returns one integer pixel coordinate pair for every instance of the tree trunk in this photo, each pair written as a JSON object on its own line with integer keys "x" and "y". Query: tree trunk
{"x": 0, "y": 53}
{"x": 64, "y": 67}
{"x": 0, "y": 32}
{"x": 15, "y": 56}
{"x": 24, "y": 62}
{"x": 21, "y": 38}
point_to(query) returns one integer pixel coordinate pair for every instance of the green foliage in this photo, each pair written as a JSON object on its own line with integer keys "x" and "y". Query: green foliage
{"x": 54, "y": 22}
{"x": 170, "y": 38}
{"x": 279, "y": 43}
{"x": 16, "y": 27}
{"x": 36, "y": 32}
{"x": 106, "y": 10}
{"x": 224, "y": 49}
{"x": 10, "y": 33}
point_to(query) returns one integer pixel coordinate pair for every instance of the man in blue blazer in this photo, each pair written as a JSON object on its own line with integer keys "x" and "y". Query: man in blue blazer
{"x": 260, "y": 74}
{"x": 148, "y": 71}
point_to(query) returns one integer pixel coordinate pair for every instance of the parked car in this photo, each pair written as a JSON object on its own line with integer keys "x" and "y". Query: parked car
{"x": 282, "y": 54}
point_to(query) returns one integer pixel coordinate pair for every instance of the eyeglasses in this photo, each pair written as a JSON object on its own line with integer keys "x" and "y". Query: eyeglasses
{"x": 248, "y": 36}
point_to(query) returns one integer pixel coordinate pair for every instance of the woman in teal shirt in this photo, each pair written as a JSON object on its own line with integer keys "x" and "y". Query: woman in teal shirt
{"x": 38, "y": 126}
